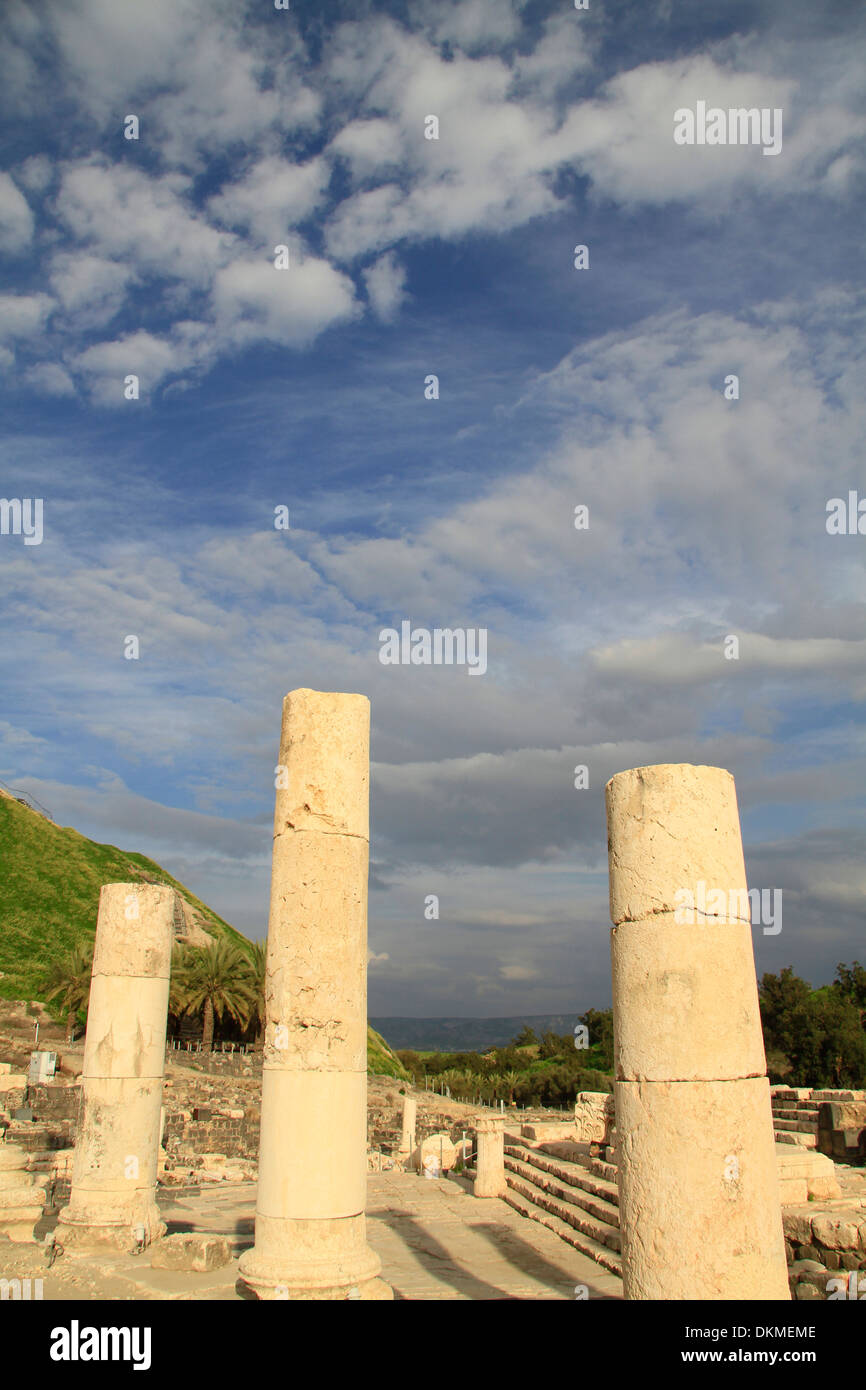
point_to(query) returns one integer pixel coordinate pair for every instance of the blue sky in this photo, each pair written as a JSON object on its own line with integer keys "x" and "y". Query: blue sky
{"x": 557, "y": 387}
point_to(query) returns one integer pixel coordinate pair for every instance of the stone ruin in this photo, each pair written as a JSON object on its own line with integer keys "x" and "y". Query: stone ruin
{"x": 675, "y": 1182}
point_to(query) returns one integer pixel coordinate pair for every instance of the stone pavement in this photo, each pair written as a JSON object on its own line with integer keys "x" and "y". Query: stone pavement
{"x": 436, "y": 1242}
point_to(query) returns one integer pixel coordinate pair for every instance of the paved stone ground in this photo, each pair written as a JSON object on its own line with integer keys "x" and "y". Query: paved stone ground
{"x": 435, "y": 1239}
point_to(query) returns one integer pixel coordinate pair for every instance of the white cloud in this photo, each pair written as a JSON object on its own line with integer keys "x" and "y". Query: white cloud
{"x": 385, "y": 281}
{"x": 91, "y": 287}
{"x": 272, "y": 197}
{"x": 199, "y": 79}
{"x": 23, "y": 316}
{"x": 122, "y": 214}
{"x": 677, "y": 659}
{"x": 35, "y": 173}
{"x": 151, "y": 359}
{"x": 372, "y": 146}
{"x": 16, "y": 219}
{"x": 50, "y": 379}
{"x": 254, "y": 301}
{"x": 473, "y": 24}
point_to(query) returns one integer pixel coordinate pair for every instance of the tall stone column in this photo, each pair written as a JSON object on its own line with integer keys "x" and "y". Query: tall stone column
{"x": 490, "y": 1162}
{"x": 117, "y": 1147}
{"x": 407, "y": 1138}
{"x": 310, "y": 1225}
{"x": 699, "y": 1189}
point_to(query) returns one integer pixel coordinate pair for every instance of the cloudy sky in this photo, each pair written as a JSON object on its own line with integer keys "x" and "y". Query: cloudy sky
{"x": 304, "y": 388}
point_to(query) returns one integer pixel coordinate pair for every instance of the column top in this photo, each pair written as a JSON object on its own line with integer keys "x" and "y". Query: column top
{"x": 324, "y": 760}
{"x": 135, "y": 929}
{"x": 488, "y": 1124}
{"x": 672, "y": 828}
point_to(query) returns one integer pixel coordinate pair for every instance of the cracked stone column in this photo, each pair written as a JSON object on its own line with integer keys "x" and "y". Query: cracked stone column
{"x": 699, "y": 1189}
{"x": 117, "y": 1145}
{"x": 490, "y": 1162}
{"x": 407, "y": 1138}
{"x": 310, "y": 1238}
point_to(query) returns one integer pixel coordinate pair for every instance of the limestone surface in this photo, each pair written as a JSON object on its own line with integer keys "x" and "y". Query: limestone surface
{"x": 310, "y": 1240}
{"x": 699, "y": 1186}
{"x": 113, "y": 1197}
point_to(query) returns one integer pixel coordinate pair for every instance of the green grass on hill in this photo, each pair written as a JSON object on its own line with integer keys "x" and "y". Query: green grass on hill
{"x": 50, "y": 877}
{"x": 381, "y": 1061}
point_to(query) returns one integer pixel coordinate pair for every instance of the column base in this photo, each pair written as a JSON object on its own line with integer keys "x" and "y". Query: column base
{"x": 487, "y": 1190}
{"x": 19, "y": 1223}
{"x": 87, "y": 1238}
{"x": 368, "y": 1291}
{"x": 311, "y": 1260}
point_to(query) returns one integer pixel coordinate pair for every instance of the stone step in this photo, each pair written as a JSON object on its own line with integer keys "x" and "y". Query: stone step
{"x": 807, "y": 1141}
{"x": 602, "y": 1254}
{"x": 796, "y": 1112}
{"x": 565, "y": 1193}
{"x": 602, "y": 1169}
{"x": 576, "y": 1175}
{"x": 580, "y": 1220}
{"x": 795, "y": 1126}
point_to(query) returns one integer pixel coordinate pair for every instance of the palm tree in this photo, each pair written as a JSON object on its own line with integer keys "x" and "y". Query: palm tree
{"x": 464, "y": 1086}
{"x": 511, "y": 1079}
{"x": 67, "y": 979}
{"x": 214, "y": 979}
{"x": 256, "y": 967}
{"x": 449, "y": 1078}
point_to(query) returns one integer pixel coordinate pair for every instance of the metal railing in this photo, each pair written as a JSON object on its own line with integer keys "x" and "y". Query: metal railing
{"x": 27, "y": 800}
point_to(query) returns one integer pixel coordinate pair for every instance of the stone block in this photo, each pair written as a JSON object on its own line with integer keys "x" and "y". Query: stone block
{"x": 797, "y": 1225}
{"x": 793, "y": 1191}
{"x": 810, "y": 1252}
{"x": 836, "y": 1232}
{"x": 191, "y": 1253}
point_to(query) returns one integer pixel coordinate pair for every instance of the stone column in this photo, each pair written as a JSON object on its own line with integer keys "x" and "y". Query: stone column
{"x": 310, "y": 1224}
{"x": 490, "y": 1164}
{"x": 117, "y": 1146}
{"x": 22, "y": 1194}
{"x": 699, "y": 1188}
{"x": 407, "y": 1138}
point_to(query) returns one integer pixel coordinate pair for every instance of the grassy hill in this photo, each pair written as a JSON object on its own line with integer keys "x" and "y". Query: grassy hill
{"x": 381, "y": 1060}
{"x": 50, "y": 877}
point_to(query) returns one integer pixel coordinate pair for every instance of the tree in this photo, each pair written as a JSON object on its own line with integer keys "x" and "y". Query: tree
{"x": 784, "y": 1001}
{"x": 815, "y": 1037}
{"x": 511, "y": 1079}
{"x": 850, "y": 982}
{"x": 214, "y": 980}
{"x": 599, "y": 1025}
{"x": 527, "y": 1037}
{"x": 67, "y": 980}
{"x": 256, "y": 964}
{"x": 551, "y": 1045}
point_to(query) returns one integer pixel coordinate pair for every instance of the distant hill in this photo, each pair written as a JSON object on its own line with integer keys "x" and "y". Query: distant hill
{"x": 50, "y": 877}
{"x": 467, "y": 1034}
